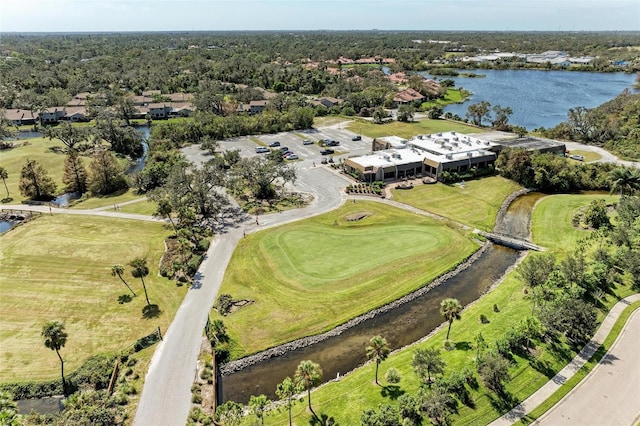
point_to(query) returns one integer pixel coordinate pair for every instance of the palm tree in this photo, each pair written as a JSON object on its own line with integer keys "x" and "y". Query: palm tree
{"x": 118, "y": 270}
{"x": 4, "y": 175}
{"x": 258, "y": 405}
{"x": 378, "y": 350}
{"x": 140, "y": 270}
{"x": 625, "y": 180}
{"x": 308, "y": 375}
{"x": 450, "y": 310}
{"x": 427, "y": 361}
{"x": 55, "y": 337}
{"x": 285, "y": 392}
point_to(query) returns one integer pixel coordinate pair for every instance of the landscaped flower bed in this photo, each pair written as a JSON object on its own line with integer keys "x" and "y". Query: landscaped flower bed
{"x": 374, "y": 188}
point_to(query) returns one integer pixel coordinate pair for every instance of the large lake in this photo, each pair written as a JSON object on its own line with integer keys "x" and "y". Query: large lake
{"x": 540, "y": 98}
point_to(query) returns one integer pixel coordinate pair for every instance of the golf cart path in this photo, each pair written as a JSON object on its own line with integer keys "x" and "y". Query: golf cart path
{"x": 166, "y": 396}
{"x": 627, "y": 379}
{"x": 100, "y": 211}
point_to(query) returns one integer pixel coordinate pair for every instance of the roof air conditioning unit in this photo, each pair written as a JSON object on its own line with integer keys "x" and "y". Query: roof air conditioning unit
{"x": 449, "y": 157}
{"x": 469, "y": 154}
{"x": 486, "y": 142}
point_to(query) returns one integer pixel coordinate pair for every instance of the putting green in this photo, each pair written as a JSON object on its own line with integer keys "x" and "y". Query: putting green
{"x": 309, "y": 276}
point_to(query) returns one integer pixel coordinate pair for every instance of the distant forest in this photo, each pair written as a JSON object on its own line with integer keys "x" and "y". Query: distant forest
{"x": 49, "y": 69}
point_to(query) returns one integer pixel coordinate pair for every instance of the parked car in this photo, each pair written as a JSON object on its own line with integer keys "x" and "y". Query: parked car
{"x": 287, "y": 153}
{"x": 333, "y": 143}
{"x": 327, "y": 151}
{"x": 291, "y": 157}
{"x": 356, "y": 138}
{"x": 307, "y": 142}
{"x": 261, "y": 149}
{"x": 274, "y": 144}
{"x": 576, "y": 157}
{"x": 324, "y": 161}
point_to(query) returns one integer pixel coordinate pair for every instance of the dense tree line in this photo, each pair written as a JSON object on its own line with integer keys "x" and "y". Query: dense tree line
{"x": 47, "y": 70}
{"x": 614, "y": 125}
{"x": 552, "y": 173}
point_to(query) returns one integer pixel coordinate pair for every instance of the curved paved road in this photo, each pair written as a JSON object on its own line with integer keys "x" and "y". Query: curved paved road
{"x": 610, "y": 394}
{"x": 541, "y": 395}
{"x": 166, "y": 396}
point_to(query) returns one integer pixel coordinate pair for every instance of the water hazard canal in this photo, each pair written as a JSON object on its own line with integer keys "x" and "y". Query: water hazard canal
{"x": 401, "y": 326}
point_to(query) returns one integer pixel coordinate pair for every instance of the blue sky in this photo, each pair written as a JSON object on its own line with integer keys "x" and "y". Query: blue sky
{"x": 202, "y": 15}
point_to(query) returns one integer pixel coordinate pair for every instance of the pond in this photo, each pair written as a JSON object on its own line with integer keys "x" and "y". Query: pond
{"x": 5, "y": 225}
{"x": 540, "y": 98}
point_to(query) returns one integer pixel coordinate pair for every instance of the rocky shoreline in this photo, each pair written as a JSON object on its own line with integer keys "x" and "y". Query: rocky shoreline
{"x": 280, "y": 350}
{"x": 283, "y": 349}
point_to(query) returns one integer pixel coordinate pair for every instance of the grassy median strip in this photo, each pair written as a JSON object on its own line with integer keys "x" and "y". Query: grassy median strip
{"x": 59, "y": 267}
{"x": 474, "y": 203}
{"x": 585, "y": 369}
{"x": 309, "y": 276}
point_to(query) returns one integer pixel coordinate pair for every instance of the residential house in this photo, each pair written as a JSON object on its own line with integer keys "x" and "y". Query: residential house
{"x": 159, "y": 110}
{"x": 19, "y": 117}
{"x": 180, "y": 97}
{"x": 75, "y": 114}
{"x": 398, "y": 78}
{"x": 329, "y": 102}
{"x": 256, "y": 107}
{"x": 150, "y": 93}
{"x": 51, "y": 115}
{"x": 181, "y": 109}
{"x": 407, "y": 96}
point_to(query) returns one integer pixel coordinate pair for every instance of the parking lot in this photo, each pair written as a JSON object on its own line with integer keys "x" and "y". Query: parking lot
{"x": 308, "y": 154}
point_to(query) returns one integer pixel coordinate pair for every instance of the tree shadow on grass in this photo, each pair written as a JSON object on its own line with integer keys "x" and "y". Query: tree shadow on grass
{"x": 151, "y": 311}
{"x": 543, "y": 367}
{"x": 463, "y": 346}
{"x": 560, "y": 351}
{"x": 503, "y": 401}
{"x": 323, "y": 420}
{"x": 391, "y": 391}
{"x": 124, "y": 298}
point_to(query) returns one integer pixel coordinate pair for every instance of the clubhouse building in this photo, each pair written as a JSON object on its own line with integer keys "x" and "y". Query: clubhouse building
{"x": 429, "y": 155}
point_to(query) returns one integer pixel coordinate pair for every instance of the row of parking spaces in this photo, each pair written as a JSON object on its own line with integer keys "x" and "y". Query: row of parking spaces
{"x": 294, "y": 141}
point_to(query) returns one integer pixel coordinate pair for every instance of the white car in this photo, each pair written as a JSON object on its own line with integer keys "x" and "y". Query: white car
{"x": 291, "y": 157}
{"x": 261, "y": 149}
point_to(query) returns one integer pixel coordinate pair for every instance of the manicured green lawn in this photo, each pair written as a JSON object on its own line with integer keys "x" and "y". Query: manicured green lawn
{"x": 145, "y": 207}
{"x": 474, "y": 203}
{"x": 551, "y": 222}
{"x": 306, "y": 277}
{"x": 346, "y": 399}
{"x": 37, "y": 149}
{"x": 108, "y": 200}
{"x": 59, "y": 267}
{"x": 409, "y": 130}
{"x": 452, "y": 96}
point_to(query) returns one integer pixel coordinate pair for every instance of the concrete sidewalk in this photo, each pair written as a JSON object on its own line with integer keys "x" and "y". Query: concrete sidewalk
{"x": 541, "y": 395}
